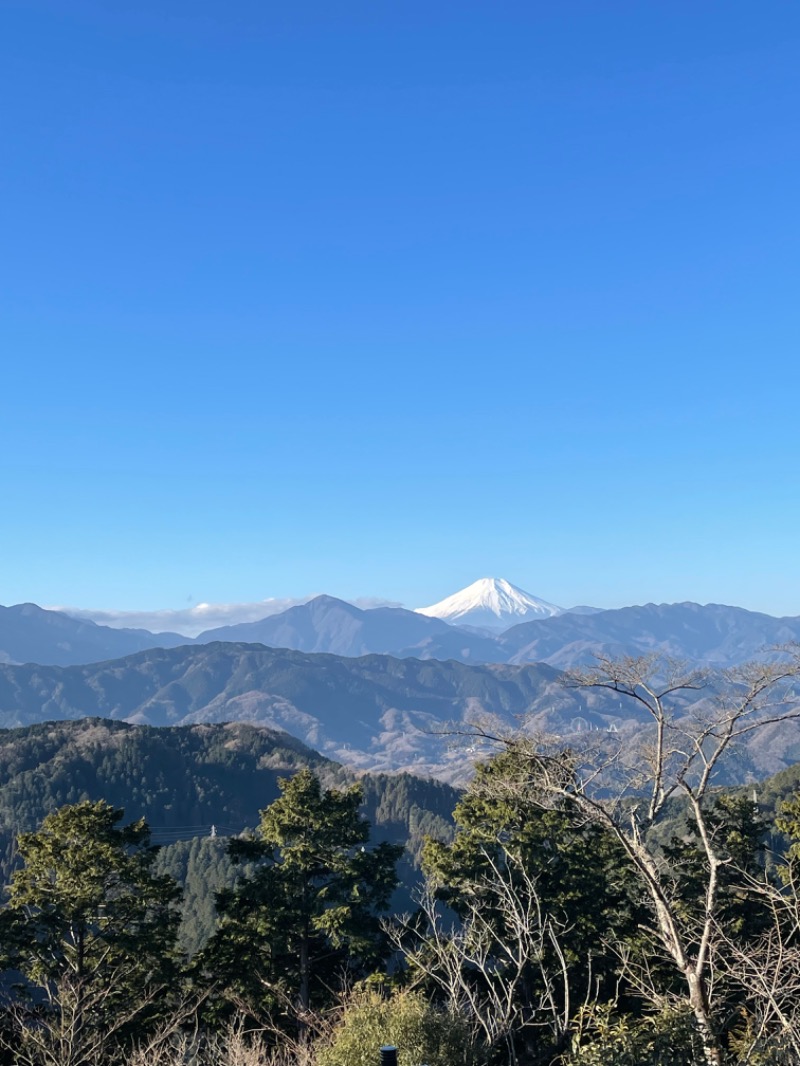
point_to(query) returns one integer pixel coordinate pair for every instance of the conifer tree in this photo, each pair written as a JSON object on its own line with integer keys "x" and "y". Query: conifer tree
{"x": 91, "y": 927}
{"x": 307, "y": 916}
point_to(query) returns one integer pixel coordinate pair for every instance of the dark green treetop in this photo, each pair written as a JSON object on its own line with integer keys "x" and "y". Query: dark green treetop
{"x": 90, "y": 924}
{"x": 308, "y": 916}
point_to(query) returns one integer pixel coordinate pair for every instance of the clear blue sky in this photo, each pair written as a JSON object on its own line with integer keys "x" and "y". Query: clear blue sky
{"x": 379, "y": 298}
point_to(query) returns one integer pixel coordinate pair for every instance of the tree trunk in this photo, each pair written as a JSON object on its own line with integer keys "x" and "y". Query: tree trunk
{"x": 305, "y": 988}
{"x": 80, "y": 968}
{"x": 698, "y": 1000}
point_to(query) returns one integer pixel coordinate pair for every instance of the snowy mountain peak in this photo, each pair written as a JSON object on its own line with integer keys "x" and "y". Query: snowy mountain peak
{"x": 490, "y": 603}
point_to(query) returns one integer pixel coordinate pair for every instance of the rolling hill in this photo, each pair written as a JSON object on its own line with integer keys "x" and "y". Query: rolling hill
{"x": 375, "y": 713}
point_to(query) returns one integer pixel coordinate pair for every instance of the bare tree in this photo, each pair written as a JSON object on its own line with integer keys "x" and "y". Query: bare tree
{"x": 486, "y": 974}
{"x": 55, "y": 1031}
{"x": 767, "y": 969}
{"x": 693, "y": 721}
{"x": 236, "y": 1045}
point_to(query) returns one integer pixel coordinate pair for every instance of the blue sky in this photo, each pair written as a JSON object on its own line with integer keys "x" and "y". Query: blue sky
{"x": 379, "y": 298}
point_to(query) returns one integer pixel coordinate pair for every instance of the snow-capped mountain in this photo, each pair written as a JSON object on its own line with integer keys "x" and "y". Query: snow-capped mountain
{"x": 491, "y": 603}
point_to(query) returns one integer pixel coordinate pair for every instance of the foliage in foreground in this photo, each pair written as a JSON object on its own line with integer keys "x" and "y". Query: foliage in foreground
{"x": 422, "y": 1032}
{"x": 603, "y": 1038}
{"x": 92, "y": 929}
{"x": 566, "y": 924}
{"x": 305, "y": 921}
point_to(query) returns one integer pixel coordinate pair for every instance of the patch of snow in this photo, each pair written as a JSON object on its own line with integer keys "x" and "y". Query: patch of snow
{"x": 491, "y": 603}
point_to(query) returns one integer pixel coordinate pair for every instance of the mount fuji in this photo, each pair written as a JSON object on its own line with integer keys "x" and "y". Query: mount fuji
{"x": 491, "y": 603}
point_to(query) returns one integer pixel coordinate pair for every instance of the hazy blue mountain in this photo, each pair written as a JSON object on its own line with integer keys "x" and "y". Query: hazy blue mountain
{"x": 374, "y": 712}
{"x": 326, "y": 624}
{"x": 31, "y": 634}
{"x": 713, "y": 634}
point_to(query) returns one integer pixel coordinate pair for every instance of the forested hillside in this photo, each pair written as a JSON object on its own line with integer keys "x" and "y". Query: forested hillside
{"x": 189, "y": 782}
{"x": 609, "y": 894}
{"x": 374, "y": 713}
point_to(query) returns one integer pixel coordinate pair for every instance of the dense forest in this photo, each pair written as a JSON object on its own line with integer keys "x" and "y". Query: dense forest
{"x": 190, "y": 782}
{"x": 222, "y": 894}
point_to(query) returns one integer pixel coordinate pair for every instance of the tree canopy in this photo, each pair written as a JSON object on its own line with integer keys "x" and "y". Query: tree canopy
{"x": 90, "y": 925}
{"x": 308, "y": 914}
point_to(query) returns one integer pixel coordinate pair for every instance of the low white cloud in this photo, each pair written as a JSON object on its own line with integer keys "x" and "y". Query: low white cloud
{"x": 190, "y": 621}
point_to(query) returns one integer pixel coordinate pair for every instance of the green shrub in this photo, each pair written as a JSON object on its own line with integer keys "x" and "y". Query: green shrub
{"x": 421, "y": 1032}
{"x": 747, "y": 1044}
{"x": 606, "y": 1039}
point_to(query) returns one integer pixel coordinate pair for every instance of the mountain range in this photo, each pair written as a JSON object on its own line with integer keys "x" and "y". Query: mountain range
{"x": 325, "y": 624}
{"x": 376, "y": 688}
{"x": 29, "y": 633}
{"x": 712, "y": 634}
{"x": 375, "y": 712}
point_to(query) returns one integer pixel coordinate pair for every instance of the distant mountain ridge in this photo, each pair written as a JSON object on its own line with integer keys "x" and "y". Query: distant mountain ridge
{"x": 374, "y": 713}
{"x": 713, "y": 634}
{"x": 29, "y": 633}
{"x": 326, "y": 624}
